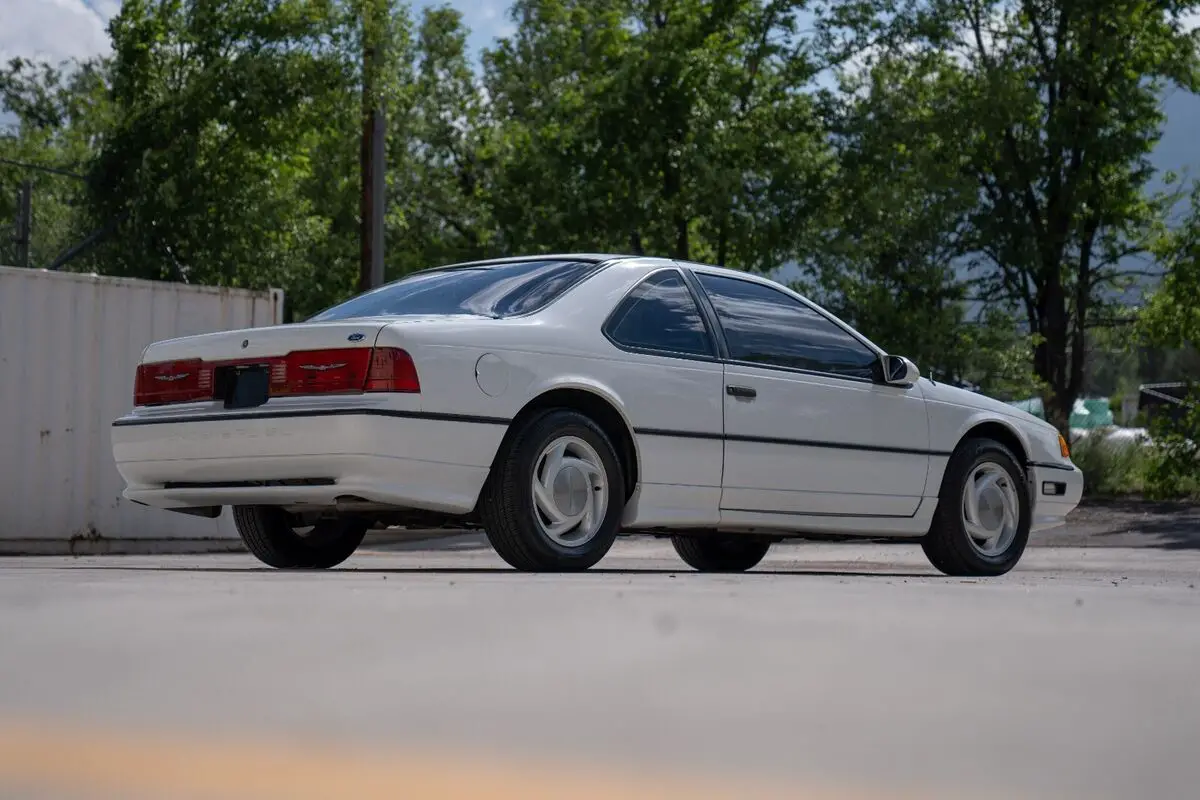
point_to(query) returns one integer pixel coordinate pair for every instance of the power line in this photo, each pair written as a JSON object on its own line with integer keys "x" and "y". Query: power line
{"x": 42, "y": 168}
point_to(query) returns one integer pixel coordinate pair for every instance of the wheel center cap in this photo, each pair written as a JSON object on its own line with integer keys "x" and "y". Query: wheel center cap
{"x": 571, "y": 490}
{"x": 991, "y": 509}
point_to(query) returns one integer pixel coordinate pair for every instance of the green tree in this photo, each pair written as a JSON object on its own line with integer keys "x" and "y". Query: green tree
{"x": 438, "y": 153}
{"x": 61, "y": 115}
{"x": 1171, "y": 319}
{"x": 676, "y": 128}
{"x": 1051, "y": 110}
{"x": 891, "y": 251}
{"x": 237, "y": 123}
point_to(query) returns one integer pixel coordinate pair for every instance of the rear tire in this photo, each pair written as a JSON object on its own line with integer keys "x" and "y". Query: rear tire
{"x": 271, "y": 535}
{"x": 989, "y": 539}
{"x": 555, "y": 498}
{"x": 720, "y": 553}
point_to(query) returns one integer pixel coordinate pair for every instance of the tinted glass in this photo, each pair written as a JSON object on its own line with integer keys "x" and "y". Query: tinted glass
{"x": 767, "y": 326}
{"x": 660, "y": 314}
{"x": 502, "y": 290}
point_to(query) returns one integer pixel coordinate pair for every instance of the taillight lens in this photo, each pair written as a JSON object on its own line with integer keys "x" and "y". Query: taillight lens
{"x": 321, "y": 372}
{"x": 304, "y": 372}
{"x": 172, "y": 382}
{"x": 392, "y": 370}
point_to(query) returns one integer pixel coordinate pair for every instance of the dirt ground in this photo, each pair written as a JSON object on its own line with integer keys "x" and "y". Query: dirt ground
{"x": 1127, "y": 523}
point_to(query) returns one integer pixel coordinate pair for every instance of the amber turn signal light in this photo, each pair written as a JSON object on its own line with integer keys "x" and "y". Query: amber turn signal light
{"x": 1063, "y": 448}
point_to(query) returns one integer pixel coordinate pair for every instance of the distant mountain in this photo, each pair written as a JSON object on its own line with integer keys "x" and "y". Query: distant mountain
{"x": 1179, "y": 148}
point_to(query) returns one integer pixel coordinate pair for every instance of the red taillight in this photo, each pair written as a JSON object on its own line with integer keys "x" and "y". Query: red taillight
{"x": 392, "y": 370}
{"x": 304, "y": 372}
{"x": 321, "y": 371}
{"x": 172, "y": 382}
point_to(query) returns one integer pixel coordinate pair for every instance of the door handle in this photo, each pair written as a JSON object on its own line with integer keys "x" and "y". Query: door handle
{"x": 741, "y": 391}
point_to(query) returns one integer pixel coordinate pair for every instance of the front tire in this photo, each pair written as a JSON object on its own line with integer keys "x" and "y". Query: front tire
{"x": 555, "y": 498}
{"x": 984, "y": 513}
{"x": 720, "y": 553}
{"x": 285, "y": 541}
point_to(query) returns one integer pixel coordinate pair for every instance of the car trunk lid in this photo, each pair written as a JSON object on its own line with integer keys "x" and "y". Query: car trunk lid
{"x": 266, "y": 342}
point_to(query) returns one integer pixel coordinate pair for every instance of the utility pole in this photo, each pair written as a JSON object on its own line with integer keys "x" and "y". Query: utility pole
{"x": 24, "y": 227}
{"x": 23, "y": 233}
{"x": 371, "y": 154}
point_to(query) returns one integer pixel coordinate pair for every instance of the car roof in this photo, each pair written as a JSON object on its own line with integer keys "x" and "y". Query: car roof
{"x": 487, "y": 262}
{"x": 610, "y": 258}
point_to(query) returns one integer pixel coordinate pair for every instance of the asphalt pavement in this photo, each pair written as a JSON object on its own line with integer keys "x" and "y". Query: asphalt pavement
{"x": 430, "y": 670}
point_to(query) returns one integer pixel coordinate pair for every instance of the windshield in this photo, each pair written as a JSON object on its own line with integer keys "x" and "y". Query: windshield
{"x": 497, "y": 290}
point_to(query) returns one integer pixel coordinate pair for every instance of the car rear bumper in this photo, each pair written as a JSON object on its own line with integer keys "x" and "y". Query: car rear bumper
{"x": 1057, "y": 490}
{"x": 305, "y": 456}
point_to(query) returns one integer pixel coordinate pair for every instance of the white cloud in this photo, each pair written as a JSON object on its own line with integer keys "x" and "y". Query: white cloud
{"x": 54, "y": 30}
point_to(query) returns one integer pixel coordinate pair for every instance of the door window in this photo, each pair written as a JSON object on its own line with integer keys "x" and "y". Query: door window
{"x": 765, "y": 326}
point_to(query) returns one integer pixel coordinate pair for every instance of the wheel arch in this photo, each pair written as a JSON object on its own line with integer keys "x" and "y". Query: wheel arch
{"x": 601, "y": 406}
{"x": 1001, "y": 432}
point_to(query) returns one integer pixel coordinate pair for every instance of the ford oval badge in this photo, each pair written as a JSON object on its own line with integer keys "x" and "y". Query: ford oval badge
{"x": 355, "y": 337}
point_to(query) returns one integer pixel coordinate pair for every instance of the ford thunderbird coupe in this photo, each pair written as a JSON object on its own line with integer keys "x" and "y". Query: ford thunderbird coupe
{"x": 559, "y": 401}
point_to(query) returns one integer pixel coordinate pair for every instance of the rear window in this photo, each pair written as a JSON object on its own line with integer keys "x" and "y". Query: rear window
{"x": 498, "y": 290}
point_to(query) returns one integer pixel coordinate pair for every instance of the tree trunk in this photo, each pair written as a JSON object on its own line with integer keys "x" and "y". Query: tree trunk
{"x": 682, "y": 248}
{"x": 723, "y": 241}
{"x": 1051, "y": 357}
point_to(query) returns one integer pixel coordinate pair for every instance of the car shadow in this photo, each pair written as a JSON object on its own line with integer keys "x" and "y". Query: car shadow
{"x": 441, "y": 570}
{"x": 1128, "y": 522}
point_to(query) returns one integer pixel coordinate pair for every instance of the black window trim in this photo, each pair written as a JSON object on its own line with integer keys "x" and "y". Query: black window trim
{"x": 597, "y": 266}
{"x": 709, "y": 312}
{"x": 714, "y": 340}
{"x": 710, "y": 308}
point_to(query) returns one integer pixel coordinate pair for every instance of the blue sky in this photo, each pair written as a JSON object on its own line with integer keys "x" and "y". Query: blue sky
{"x": 61, "y": 29}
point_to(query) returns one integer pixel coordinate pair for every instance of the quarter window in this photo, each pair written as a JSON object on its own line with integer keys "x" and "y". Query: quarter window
{"x": 660, "y": 314}
{"x": 766, "y": 326}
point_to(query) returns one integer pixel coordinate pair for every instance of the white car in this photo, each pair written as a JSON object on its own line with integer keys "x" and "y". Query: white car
{"x": 557, "y": 401}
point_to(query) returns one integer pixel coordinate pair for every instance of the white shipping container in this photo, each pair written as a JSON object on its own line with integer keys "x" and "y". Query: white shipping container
{"x": 69, "y": 347}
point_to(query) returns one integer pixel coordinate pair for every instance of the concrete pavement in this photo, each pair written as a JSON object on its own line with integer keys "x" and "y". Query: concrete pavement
{"x": 431, "y": 670}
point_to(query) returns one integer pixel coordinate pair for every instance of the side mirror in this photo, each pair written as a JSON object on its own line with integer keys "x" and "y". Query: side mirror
{"x": 899, "y": 371}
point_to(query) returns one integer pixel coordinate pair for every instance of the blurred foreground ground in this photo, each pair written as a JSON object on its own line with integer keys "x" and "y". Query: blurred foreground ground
{"x": 429, "y": 670}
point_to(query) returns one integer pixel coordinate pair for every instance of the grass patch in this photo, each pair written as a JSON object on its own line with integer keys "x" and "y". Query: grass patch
{"x": 1111, "y": 467}
{"x": 1126, "y": 467}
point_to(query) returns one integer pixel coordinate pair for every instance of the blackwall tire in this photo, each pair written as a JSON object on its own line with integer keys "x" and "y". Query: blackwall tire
{"x": 527, "y": 511}
{"x": 270, "y": 535}
{"x": 720, "y": 553}
{"x": 991, "y": 542}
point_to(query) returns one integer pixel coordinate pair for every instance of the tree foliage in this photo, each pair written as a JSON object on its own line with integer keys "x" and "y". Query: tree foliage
{"x": 673, "y": 127}
{"x": 889, "y": 252}
{"x": 60, "y": 116}
{"x": 438, "y": 153}
{"x": 220, "y": 109}
{"x": 1050, "y": 110}
{"x": 1172, "y": 320}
